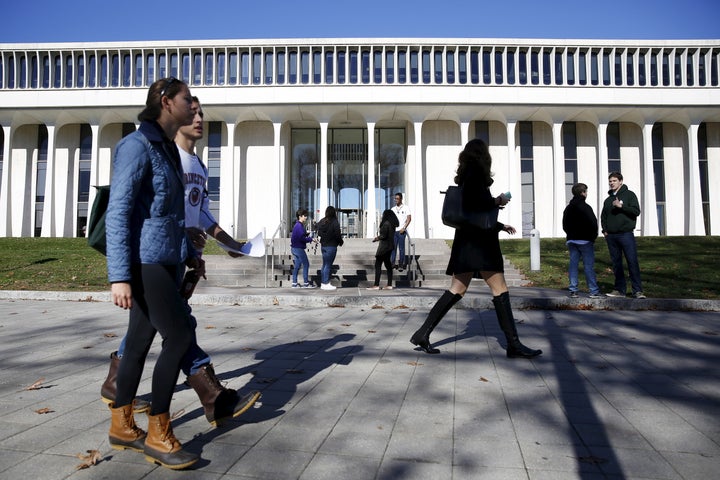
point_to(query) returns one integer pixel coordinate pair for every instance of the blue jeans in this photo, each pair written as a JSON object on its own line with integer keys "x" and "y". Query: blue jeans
{"x": 399, "y": 245}
{"x": 619, "y": 244}
{"x": 585, "y": 251}
{"x": 300, "y": 259}
{"x": 328, "y": 257}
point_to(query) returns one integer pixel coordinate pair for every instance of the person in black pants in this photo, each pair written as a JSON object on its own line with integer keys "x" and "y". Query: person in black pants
{"x": 476, "y": 254}
{"x": 386, "y": 237}
{"x": 147, "y": 251}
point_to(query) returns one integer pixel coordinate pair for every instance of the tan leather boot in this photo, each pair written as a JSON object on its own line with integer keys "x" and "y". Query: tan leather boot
{"x": 219, "y": 402}
{"x": 162, "y": 447}
{"x": 124, "y": 434}
{"x": 109, "y": 387}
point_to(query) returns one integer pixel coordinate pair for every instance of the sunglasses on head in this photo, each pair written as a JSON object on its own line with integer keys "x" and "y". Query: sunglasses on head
{"x": 170, "y": 81}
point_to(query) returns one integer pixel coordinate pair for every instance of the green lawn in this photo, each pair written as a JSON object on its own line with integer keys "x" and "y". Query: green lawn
{"x": 672, "y": 267}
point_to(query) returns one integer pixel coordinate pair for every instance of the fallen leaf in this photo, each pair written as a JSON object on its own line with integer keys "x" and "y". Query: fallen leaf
{"x": 109, "y": 335}
{"x": 377, "y": 307}
{"x": 415, "y": 364}
{"x": 44, "y": 410}
{"x": 37, "y": 385}
{"x": 483, "y": 379}
{"x": 92, "y": 458}
{"x": 345, "y": 324}
{"x": 372, "y": 331}
{"x": 209, "y": 327}
{"x": 400, "y": 306}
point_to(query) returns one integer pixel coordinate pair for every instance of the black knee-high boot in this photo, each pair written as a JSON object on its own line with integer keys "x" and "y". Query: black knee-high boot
{"x": 515, "y": 349}
{"x": 421, "y": 338}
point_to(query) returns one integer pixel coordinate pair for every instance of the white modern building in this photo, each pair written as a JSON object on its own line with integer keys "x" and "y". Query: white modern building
{"x": 349, "y": 122}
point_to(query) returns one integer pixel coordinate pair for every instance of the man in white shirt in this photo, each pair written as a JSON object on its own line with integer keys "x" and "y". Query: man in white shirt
{"x": 218, "y": 402}
{"x": 404, "y": 216}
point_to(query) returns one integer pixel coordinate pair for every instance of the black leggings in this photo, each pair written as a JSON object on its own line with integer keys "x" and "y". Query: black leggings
{"x": 157, "y": 307}
{"x": 379, "y": 261}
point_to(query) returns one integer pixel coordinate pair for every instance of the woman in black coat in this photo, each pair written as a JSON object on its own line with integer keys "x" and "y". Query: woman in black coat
{"x": 330, "y": 239}
{"x": 386, "y": 237}
{"x": 476, "y": 253}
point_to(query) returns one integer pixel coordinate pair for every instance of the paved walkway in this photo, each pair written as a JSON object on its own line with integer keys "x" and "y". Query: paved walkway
{"x": 624, "y": 389}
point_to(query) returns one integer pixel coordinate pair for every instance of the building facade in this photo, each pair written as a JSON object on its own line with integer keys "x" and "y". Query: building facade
{"x": 350, "y": 122}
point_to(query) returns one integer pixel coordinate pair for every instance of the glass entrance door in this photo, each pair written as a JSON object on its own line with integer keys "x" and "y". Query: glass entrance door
{"x": 347, "y": 177}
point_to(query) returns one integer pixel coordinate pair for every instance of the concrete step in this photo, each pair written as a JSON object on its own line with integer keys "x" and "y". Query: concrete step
{"x": 353, "y": 266}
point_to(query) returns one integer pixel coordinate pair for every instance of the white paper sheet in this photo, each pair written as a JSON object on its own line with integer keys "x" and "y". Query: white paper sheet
{"x": 253, "y": 248}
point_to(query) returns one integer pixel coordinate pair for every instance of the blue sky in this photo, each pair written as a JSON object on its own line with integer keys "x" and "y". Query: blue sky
{"x": 30, "y": 21}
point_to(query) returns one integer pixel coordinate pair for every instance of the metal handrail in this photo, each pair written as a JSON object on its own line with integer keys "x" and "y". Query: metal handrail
{"x": 280, "y": 230}
{"x": 411, "y": 269}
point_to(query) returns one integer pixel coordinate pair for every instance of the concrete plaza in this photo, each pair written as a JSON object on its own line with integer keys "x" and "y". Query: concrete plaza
{"x": 623, "y": 390}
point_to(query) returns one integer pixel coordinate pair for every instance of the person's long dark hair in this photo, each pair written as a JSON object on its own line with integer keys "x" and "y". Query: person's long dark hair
{"x": 330, "y": 213}
{"x": 165, "y": 87}
{"x": 389, "y": 216}
{"x": 475, "y": 156}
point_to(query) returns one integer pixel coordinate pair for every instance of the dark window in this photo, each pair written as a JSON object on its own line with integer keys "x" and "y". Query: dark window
{"x": 438, "y": 66}
{"x": 57, "y": 79}
{"x": 629, "y": 69}
{"x": 150, "y": 70}
{"x": 268, "y": 68}
{"x": 390, "y": 66}
{"x": 377, "y": 66}
{"x": 450, "y": 66}
{"x": 642, "y": 80}
{"x": 353, "y": 66}
{"x": 34, "y": 73}
{"x": 414, "y": 68}
{"x": 534, "y": 68}
{"x": 213, "y": 164}
{"x": 486, "y": 66}
{"x": 209, "y": 69}
{"x": 498, "y": 68}
{"x": 233, "y": 70}
{"x": 547, "y": 68}
{"x": 702, "y": 79}
{"x": 68, "y": 71}
{"x": 659, "y": 172}
{"x": 559, "y": 68}
{"x": 115, "y": 71}
{"x": 523, "y": 67}
{"x": 426, "y": 66}
{"x": 317, "y": 67}
{"x": 678, "y": 69}
{"x": 653, "y": 69}
{"x": 402, "y": 66}
{"x": 126, "y": 70}
{"x": 569, "y": 135}
{"x": 582, "y": 68}
{"x": 365, "y": 66}
{"x": 618, "y": 69}
{"x": 292, "y": 67}
{"x": 606, "y": 68}
{"x": 474, "y": 67}
{"x": 256, "y": 68}
{"x": 462, "y": 67}
{"x": 341, "y": 67}
{"x": 690, "y": 73}
{"x": 186, "y": 67}
{"x": 244, "y": 68}
{"x": 594, "y": 78}
{"x": 665, "y": 69}
{"x": 103, "y": 70}
{"x": 329, "y": 73}
{"x": 613, "y": 146}
{"x": 510, "y": 56}
{"x": 280, "y": 66}
{"x": 220, "y": 76}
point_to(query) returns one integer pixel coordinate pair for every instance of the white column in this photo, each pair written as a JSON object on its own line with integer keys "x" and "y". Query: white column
{"x": 464, "y": 133}
{"x": 418, "y": 227}
{"x": 323, "y": 201}
{"x": 5, "y": 212}
{"x": 281, "y": 174}
{"x": 229, "y": 193}
{"x": 370, "y": 210}
{"x": 648, "y": 203}
{"x": 514, "y": 208}
{"x": 558, "y": 179}
{"x": 696, "y": 224}
{"x": 94, "y": 169}
{"x": 602, "y": 167}
{"x": 48, "y": 204}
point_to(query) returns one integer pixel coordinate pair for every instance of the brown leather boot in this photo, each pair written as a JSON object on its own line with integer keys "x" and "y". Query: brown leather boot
{"x": 109, "y": 387}
{"x": 124, "y": 434}
{"x": 161, "y": 446}
{"x": 219, "y": 402}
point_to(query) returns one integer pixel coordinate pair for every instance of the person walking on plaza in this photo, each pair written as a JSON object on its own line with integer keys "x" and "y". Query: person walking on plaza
{"x": 147, "y": 250}
{"x": 298, "y": 243}
{"x": 218, "y": 402}
{"x": 581, "y": 226}
{"x": 386, "y": 237}
{"x": 328, "y": 230}
{"x": 476, "y": 254}
{"x": 618, "y": 218}
{"x": 404, "y": 216}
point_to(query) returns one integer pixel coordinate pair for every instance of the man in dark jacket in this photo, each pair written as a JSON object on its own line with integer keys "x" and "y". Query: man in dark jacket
{"x": 581, "y": 226}
{"x": 618, "y": 218}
